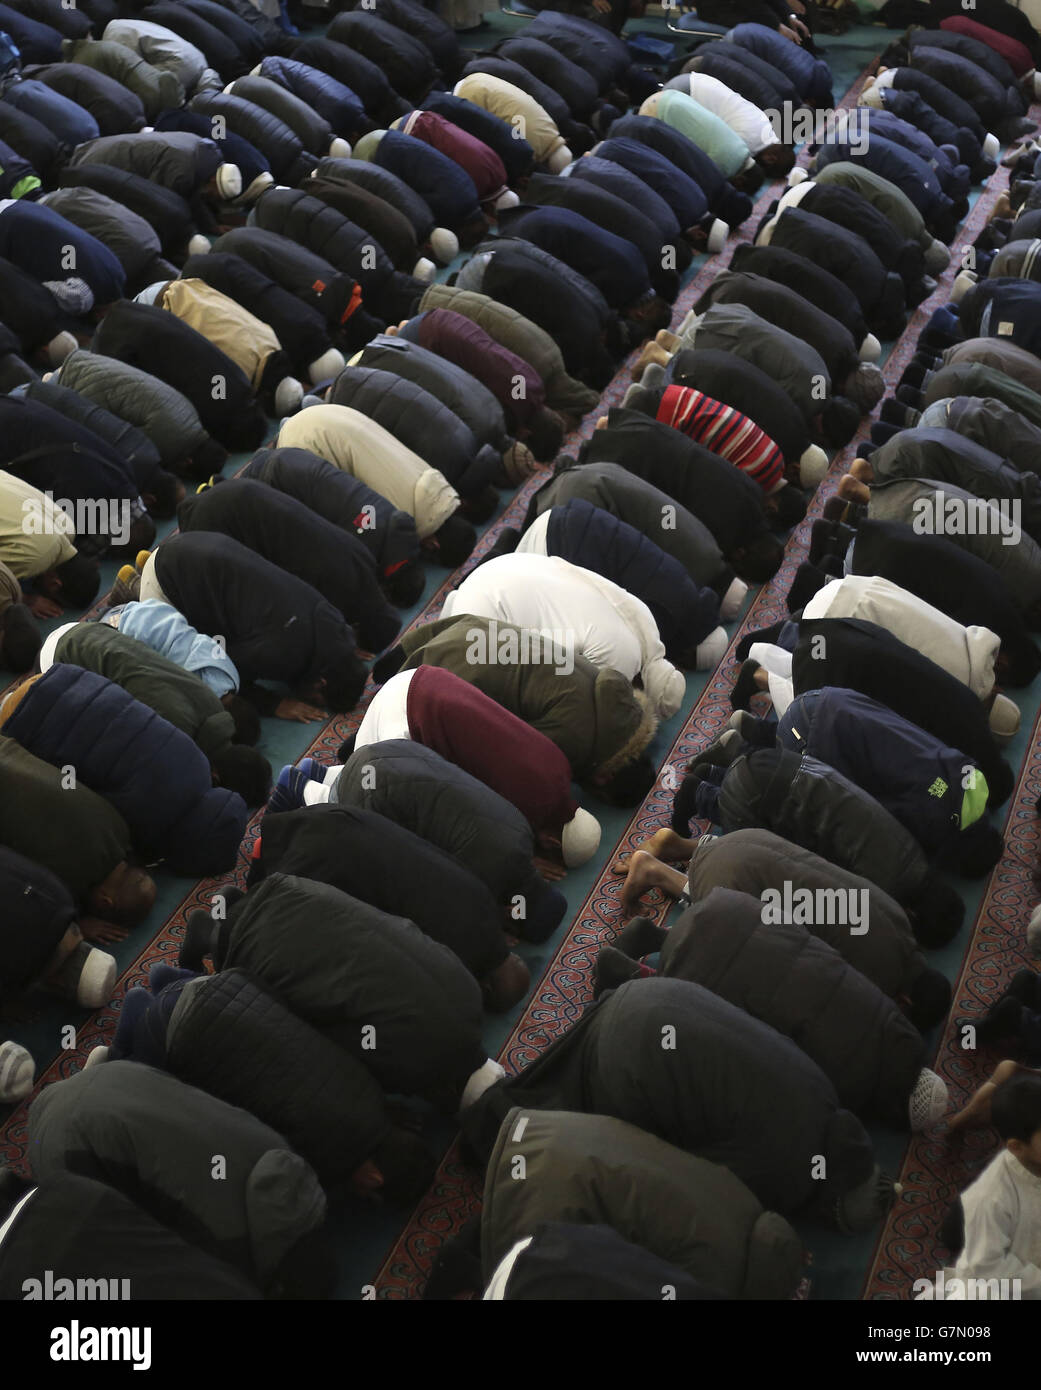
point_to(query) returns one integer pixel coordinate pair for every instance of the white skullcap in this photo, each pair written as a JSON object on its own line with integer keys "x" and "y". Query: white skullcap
{"x": 580, "y": 839}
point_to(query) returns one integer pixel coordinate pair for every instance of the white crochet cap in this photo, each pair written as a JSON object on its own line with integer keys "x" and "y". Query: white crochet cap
{"x": 424, "y": 269}
{"x": 198, "y": 245}
{"x": 506, "y": 200}
{"x": 797, "y": 175}
{"x": 260, "y": 184}
{"x": 94, "y": 986}
{"x": 870, "y": 349}
{"x": 1034, "y": 931}
{"x": 717, "y": 236}
{"x": 229, "y": 181}
{"x": 96, "y": 1056}
{"x": 812, "y": 466}
{"x": 963, "y": 283}
{"x": 665, "y": 687}
{"x": 733, "y": 599}
{"x": 928, "y": 1100}
{"x": 581, "y": 838}
{"x": 330, "y": 363}
{"x": 444, "y": 244}
{"x": 480, "y": 1080}
{"x": 991, "y": 146}
{"x": 59, "y": 348}
{"x": 1004, "y": 717}
{"x": 710, "y": 652}
{"x": 559, "y": 160}
{"x": 288, "y": 394}
{"x": 17, "y": 1070}
{"x": 339, "y": 148}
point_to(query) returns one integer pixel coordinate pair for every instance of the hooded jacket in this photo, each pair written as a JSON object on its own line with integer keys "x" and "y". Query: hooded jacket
{"x": 151, "y": 772}
{"x": 607, "y": 625}
{"x": 36, "y": 239}
{"x": 587, "y": 1168}
{"x": 345, "y": 967}
{"x": 516, "y": 154}
{"x": 356, "y": 851}
{"x": 781, "y": 974}
{"x": 177, "y": 695}
{"x": 277, "y": 626}
{"x": 116, "y": 108}
{"x": 156, "y": 89}
{"x": 152, "y": 1137}
{"x": 157, "y": 342}
{"x": 309, "y": 277}
{"x": 754, "y": 862}
{"x": 592, "y": 714}
{"x": 333, "y": 102}
{"x": 421, "y": 421}
{"x": 388, "y": 534}
{"x": 359, "y": 446}
{"x": 288, "y": 534}
{"x": 732, "y": 1091}
{"x": 465, "y": 344}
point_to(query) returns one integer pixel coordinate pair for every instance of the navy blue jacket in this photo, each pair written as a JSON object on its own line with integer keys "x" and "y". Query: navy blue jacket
{"x": 151, "y": 772}
{"x": 994, "y": 102}
{"x": 955, "y": 179}
{"x": 407, "y": 62}
{"x": 444, "y": 186}
{"x": 37, "y": 43}
{"x": 594, "y": 539}
{"x": 724, "y": 200}
{"x": 612, "y": 264}
{"x": 382, "y": 103}
{"x": 333, "y": 100}
{"x": 1005, "y": 307}
{"x": 116, "y": 109}
{"x": 587, "y": 44}
{"x": 918, "y": 779}
{"x": 682, "y": 194}
{"x": 616, "y": 179}
{"x": 234, "y": 147}
{"x": 577, "y": 86}
{"x": 35, "y": 238}
{"x": 71, "y": 123}
{"x": 913, "y": 176}
{"x": 811, "y": 75}
{"x": 278, "y": 144}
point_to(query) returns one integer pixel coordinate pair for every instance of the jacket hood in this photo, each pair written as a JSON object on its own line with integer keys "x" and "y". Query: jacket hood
{"x": 625, "y": 722}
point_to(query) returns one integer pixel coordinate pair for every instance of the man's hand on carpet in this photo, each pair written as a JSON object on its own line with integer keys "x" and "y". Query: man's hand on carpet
{"x": 299, "y": 712}
{"x": 42, "y": 606}
{"x": 101, "y": 933}
{"x": 789, "y": 34}
{"x": 799, "y": 27}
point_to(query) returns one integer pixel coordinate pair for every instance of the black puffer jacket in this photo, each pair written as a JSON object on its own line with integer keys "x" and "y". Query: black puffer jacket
{"x": 388, "y": 534}
{"x": 336, "y": 295}
{"x": 37, "y": 912}
{"x": 165, "y": 211}
{"x": 779, "y": 973}
{"x": 426, "y": 26}
{"x": 313, "y": 132}
{"x": 133, "y": 240}
{"x": 361, "y": 853}
{"x": 421, "y": 422}
{"x": 358, "y": 72}
{"x": 281, "y": 146}
{"x": 228, "y": 1036}
{"x": 345, "y": 968}
{"x": 407, "y": 62}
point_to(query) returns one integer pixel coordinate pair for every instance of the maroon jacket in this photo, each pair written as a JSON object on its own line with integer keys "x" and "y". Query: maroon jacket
{"x": 460, "y": 340}
{"x": 470, "y": 729}
{"x": 478, "y": 159}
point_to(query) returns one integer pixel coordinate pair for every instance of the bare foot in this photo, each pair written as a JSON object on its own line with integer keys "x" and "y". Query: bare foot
{"x": 652, "y": 352}
{"x": 668, "y": 340}
{"x": 602, "y": 423}
{"x": 851, "y": 489}
{"x": 647, "y": 874}
{"x": 664, "y": 844}
{"x": 977, "y": 1112}
{"x": 861, "y": 470}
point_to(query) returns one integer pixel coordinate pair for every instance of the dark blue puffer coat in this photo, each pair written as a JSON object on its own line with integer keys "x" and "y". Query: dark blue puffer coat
{"x": 683, "y": 195}
{"x": 18, "y": 178}
{"x": 594, "y": 539}
{"x": 614, "y": 265}
{"x": 360, "y": 74}
{"x": 151, "y": 772}
{"x": 235, "y": 149}
{"x": 446, "y": 188}
{"x": 1006, "y": 308}
{"x": 912, "y": 175}
{"x": 419, "y": 420}
{"x": 955, "y": 179}
{"x": 407, "y": 62}
{"x": 811, "y": 75}
{"x": 918, "y": 779}
{"x": 724, "y": 200}
{"x": 281, "y": 147}
{"x": 37, "y": 43}
{"x": 334, "y": 102}
{"x": 589, "y": 45}
{"x": 116, "y": 109}
{"x": 36, "y": 239}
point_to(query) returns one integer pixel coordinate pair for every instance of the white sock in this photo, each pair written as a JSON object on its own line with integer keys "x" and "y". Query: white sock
{"x": 315, "y": 793}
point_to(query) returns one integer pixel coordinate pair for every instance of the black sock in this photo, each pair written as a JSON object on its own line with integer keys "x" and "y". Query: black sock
{"x": 745, "y": 687}
{"x": 388, "y": 665}
{"x": 640, "y": 938}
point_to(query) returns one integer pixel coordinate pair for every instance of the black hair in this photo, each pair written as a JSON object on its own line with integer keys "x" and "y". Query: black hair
{"x": 760, "y": 559}
{"x": 244, "y": 770}
{"x": 788, "y": 506}
{"x": 938, "y": 912}
{"x": 930, "y": 996}
{"x": 343, "y": 689}
{"x": 840, "y": 419}
{"x": 80, "y": 580}
{"x": 207, "y": 458}
{"x": 456, "y": 539}
{"x": 1015, "y": 1108}
{"x": 546, "y": 434}
{"x": 778, "y": 159}
{"x": 247, "y": 720}
{"x": 631, "y": 783}
{"x": 405, "y": 586}
{"x": 20, "y": 638}
{"x": 165, "y": 492}
{"x": 407, "y": 1166}
{"x": 482, "y": 505}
